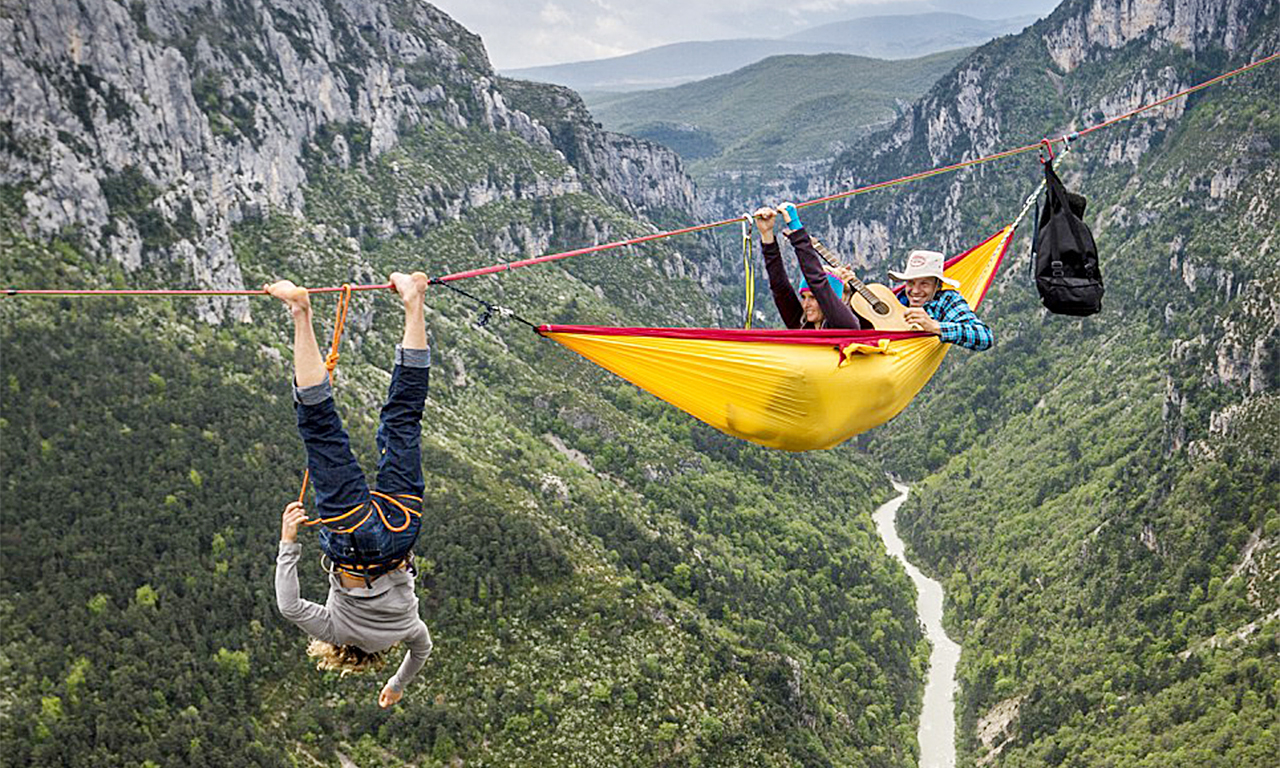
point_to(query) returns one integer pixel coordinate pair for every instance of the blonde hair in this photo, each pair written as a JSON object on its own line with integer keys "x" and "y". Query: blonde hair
{"x": 344, "y": 659}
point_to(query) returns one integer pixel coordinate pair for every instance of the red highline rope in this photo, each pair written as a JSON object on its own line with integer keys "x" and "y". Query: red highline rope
{"x": 660, "y": 235}
{"x": 175, "y": 291}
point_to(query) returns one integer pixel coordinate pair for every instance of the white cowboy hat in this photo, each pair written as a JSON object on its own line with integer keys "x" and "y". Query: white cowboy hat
{"x": 924, "y": 264}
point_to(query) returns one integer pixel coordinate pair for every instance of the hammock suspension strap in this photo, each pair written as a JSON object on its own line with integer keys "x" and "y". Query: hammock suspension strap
{"x": 748, "y": 271}
{"x": 490, "y": 309}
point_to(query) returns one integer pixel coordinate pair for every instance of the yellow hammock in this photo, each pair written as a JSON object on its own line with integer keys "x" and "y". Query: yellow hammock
{"x": 794, "y": 390}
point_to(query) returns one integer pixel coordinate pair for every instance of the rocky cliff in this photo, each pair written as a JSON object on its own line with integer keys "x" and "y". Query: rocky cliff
{"x": 152, "y": 129}
{"x": 1090, "y": 30}
{"x": 1088, "y": 61}
{"x": 1094, "y": 60}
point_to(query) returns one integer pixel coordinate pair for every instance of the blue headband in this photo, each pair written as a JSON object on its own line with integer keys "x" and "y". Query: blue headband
{"x": 836, "y": 283}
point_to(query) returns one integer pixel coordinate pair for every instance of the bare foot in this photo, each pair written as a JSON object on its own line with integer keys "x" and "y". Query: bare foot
{"x": 410, "y": 287}
{"x": 294, "y": 297}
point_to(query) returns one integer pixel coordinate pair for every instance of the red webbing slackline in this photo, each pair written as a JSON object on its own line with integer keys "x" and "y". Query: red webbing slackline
{"x": 861, "y": 190}
{"x": 1064, "y": 139}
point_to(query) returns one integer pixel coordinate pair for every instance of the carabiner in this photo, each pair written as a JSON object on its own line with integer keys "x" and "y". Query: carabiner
{"x": 1046, "y": 146}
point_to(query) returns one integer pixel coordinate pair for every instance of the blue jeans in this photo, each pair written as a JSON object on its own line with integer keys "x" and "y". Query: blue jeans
{"x": 363, "y": 527}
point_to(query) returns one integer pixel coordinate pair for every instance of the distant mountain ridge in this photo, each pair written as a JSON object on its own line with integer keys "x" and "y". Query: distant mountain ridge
{"x": 735, "y": 123}
{"x": 910, "y": 36}
{"x": 886, "y": 37}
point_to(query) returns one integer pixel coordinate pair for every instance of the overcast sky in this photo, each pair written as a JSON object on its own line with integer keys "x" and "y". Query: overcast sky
{"x": 527, "y": 33}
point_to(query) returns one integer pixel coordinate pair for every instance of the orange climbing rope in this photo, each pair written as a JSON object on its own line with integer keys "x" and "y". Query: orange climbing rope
{"x": 339, "y": 323}
{"x": 407, "y": 511}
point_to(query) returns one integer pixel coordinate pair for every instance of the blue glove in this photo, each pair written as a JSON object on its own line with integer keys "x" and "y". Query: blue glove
{"x": 795, "y": 222}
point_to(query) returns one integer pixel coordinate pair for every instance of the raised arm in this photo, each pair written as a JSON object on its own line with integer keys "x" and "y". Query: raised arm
{"x": 306, "y": 614}
{"x": 784, "y": 296}
{"x": 834, "y": 309}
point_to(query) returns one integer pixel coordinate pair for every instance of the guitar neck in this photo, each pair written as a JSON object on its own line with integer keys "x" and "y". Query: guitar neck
{"x": 830, "y": 258}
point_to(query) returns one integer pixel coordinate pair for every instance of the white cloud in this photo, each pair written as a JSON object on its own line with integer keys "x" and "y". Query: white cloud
{"x": 553, "y": 14}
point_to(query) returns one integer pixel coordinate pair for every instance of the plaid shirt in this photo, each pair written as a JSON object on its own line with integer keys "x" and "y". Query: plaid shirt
{"x": 959, "y": 325}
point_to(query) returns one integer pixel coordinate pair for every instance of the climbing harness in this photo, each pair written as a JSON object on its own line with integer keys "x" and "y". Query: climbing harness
{"x": 370, "y": 573}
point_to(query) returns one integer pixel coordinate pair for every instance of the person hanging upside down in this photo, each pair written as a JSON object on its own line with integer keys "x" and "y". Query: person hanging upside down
{"x": 943, "y": 313}
{"x": 821, "y": 300}
{"x": 366, "y": 535}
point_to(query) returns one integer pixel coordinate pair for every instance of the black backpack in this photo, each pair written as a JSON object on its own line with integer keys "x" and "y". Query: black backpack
{"x": 1064, "y": 254}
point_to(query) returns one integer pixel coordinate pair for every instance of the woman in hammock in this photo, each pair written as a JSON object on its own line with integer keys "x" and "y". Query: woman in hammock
{"x": 367, "y": 534}
{"x": 821, "y": 300}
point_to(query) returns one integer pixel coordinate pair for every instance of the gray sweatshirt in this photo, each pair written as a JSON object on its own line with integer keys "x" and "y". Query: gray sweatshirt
{"x": 372, "y": 619}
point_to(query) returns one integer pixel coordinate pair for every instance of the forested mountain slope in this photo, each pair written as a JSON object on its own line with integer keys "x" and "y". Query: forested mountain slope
{"x": 607, "y": 582}
{"x": 1099, "y": 495}
{"x": 733, "y": 131}
{"x": 901, "y": 36}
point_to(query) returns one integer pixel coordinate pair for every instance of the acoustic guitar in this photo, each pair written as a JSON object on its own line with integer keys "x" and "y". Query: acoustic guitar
{"x": 875, "y": 303}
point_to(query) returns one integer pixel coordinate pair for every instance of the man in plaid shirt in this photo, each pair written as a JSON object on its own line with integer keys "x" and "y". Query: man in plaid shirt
{"x": 943, "y": 313}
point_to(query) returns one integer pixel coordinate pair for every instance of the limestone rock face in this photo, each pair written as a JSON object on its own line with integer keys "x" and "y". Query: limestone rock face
{"x": 648, "y": 178}
{"x": 151, "y": 129}
{"x": 1099, "y": 25}
{"x": 1160, "y": 185}
{"x": 980, "y": 107}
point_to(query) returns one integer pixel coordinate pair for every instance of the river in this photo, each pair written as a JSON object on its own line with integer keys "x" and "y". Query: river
{"x": 937, "y": 717}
